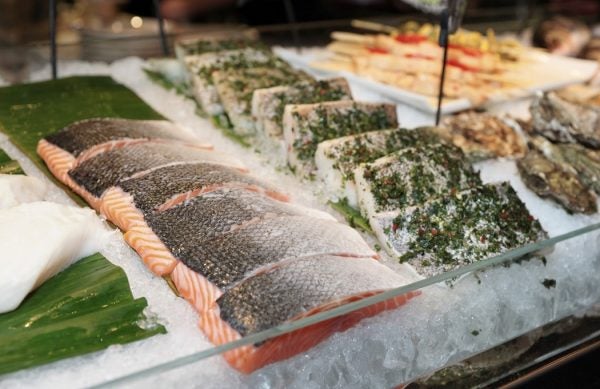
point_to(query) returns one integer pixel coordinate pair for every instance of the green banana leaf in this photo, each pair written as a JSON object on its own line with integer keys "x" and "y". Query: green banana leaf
{"x": 29, "y": 112}
{"x": 85, "y": 308}
{"x": 8, "y": 166}
{"x": 351, "y": 214}
{"x": 88, "y": 306}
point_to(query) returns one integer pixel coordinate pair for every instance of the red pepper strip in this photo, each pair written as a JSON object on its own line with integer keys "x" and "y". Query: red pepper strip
{"x": 455, "y": 63}
{"x": 410, "y": 38}
{"x": 377, "y": 50}
{"x": 466, "y": 50}
{"x": 421, "y": 56}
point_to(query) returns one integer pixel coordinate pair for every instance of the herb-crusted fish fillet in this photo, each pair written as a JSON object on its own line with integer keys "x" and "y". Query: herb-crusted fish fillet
{"x": 268, "y": 104}
{"x": 458, "y": 229}
{"x": 565, "y": 122}
{"x": 201, "y": 68}
{"x": 128, "y": 202}
{"x": 84, "y": 139}
{"x": 236, "y": 86}
{"x": 291, "y": 291}
{"x": 306, "y": 125}
{"x": 196, "y": 46}
{"x": 93, "y": 176}
{"x": 550, "y": 180}
{"x": 336, "y": 159}
{"x": 410, "y": 177}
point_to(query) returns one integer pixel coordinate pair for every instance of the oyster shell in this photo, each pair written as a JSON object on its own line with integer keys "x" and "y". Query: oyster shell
{"x": 482, "y": 136}
{"x": 565, "y": 122}
{"x": 549, "y": 180}
{"x": 574, "y": 158}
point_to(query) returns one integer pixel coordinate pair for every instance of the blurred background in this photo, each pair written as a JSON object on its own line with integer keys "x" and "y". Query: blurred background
{"x": 106, "y": 30}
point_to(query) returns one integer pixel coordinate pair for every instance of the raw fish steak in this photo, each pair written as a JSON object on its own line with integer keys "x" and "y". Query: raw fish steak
{"x": 291, "y": 291}
{"x": 92, "y": 177}
{"x": 86, "y": 138}
{"x": 128, "y": 202}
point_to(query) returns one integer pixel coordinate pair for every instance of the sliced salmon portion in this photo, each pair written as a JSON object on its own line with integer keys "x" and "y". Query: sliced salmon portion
{"x": 153, "y": 252}
{"x": 284, "y": 294}
{"x": 59, "y": 161}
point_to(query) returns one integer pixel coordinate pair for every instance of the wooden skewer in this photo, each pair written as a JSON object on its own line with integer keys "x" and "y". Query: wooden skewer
{"x": 373, "y": 26}
{"x": 352, "y": 38}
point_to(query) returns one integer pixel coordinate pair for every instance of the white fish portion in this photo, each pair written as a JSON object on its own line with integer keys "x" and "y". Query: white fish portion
{"x": 203, "y": 88}
{"x": 38, "y": 240}
{"x": 16, "y": 189}
{"x": 306, "y": 125}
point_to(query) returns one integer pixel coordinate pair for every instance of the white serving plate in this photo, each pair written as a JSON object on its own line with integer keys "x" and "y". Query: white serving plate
{"x": 542, "y": 72}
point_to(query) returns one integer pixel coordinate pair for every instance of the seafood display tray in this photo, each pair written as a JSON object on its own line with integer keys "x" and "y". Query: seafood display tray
{"x": 545, "y": 71}
{"x": 445, "y": 325}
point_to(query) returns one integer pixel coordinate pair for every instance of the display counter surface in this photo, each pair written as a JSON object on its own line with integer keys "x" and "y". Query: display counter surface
{"x": 450, "y": 321}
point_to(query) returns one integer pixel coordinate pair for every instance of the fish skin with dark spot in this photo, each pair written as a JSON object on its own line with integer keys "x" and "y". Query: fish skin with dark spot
{"x": 230, "y": 257}
{"x": 80, "y": 136}
{"x": 107, "y": 169}
{"x": 213, "y": 214}
{"x": 153, "y": 189}
{"x": 288, "y": 291}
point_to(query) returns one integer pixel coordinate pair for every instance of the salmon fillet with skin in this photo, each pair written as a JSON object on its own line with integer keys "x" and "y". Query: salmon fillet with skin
{"x": 163, "y": 236}
{"x": 84, "y": 139}
{"x": 129, "y": 203}
{"x": 284, "y": 294}
{"x": 92, "y": 177}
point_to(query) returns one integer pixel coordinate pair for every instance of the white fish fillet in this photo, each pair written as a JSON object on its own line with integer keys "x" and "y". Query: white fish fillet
{"x": 38, "y": 240}
{"x": 16, "y": 189}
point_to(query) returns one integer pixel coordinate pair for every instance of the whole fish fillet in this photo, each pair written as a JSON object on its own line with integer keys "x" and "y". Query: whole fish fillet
{"x": 92, "y": 177}
{"x": 291, "y": 291}
{"x": 16, "y": 189}
{"x": 39, "y": 239}
{"x": 84, "y": 139}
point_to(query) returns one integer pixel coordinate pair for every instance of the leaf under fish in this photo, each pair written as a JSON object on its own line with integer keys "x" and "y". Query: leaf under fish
{"x": 85, "y": 308}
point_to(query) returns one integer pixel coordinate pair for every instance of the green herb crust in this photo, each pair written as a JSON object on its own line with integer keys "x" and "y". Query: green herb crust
{"x": 207, "y": 46}
{"x": 367, "y": 147}
{"x": 243, "y": 82}
{"x": 305, "y": 93}
{"x": 8, "y": 166}
{"x": 325, "y": 125}
{"x": 413, "y": 176}
{"x": 352, "y": 215}
{"x": 242, "y": 60}
{"x": 463, "y": 228}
